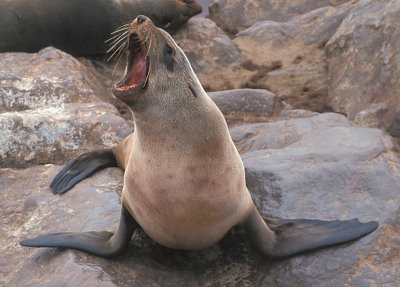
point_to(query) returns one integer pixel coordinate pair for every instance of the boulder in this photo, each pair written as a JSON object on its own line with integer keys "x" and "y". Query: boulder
{"x": 364, "y": 63}
{"x": 56, "y": 134}
{"x": 248, "y": 105}
{"x": 236, "y": 15}
{"x": 289, "y": 58}
{"x": 51, "y": 109}
{"x": 49, "y": 77}
{"x": 214, "y": 57}
{"x": 338, "y": 172}
{"x": 281, "y": 133}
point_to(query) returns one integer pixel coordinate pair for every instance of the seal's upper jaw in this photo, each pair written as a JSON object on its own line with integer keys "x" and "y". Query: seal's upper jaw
{"x": 137, "y": 70}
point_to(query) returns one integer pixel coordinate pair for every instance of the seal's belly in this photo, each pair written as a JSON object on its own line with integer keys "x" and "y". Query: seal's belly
{"x": 189, "y": 208}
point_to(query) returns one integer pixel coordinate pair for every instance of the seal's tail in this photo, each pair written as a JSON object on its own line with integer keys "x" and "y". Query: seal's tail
{"x": 82, "y": 167}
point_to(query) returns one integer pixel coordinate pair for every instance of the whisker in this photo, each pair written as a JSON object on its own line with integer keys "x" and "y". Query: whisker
{"x": 116, "y": 65}
{"x": 118, "y": 51}
{"x": 121, "y": 29}
{"x": 116, "y": 36}
{"x": 115, "y": 44}
{"x": 123, "y": 35}
{"x": 127, "y": 24}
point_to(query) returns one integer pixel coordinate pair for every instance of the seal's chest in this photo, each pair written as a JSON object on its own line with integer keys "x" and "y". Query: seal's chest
{"x": 186, "y": 208}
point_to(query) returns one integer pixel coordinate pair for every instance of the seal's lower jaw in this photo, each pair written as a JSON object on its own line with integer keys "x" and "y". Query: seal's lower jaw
{"x": 137, "y": 71}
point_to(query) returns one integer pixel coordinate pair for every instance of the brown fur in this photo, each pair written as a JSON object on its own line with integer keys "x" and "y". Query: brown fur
{"x": 184, "y": 179}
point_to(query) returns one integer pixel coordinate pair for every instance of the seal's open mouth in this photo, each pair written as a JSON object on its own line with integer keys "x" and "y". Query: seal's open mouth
{"x": 137, "y": 72}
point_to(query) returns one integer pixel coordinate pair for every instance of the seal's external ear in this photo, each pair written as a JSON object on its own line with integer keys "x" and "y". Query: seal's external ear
{"x": 192, "y": 90}
{"x": 191, "y": 87}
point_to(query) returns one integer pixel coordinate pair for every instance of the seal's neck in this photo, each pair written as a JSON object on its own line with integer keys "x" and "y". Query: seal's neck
{"x": 181, "y": 124}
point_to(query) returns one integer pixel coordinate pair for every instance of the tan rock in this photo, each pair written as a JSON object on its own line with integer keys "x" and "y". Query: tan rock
{"x": 236, "y": 15}
{"x": 364, "y": 61}
{"x": 214, "y": 57}
{"x": 289, "y": 58}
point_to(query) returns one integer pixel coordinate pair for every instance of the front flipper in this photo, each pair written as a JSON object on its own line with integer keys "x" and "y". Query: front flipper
{"x": 287, "y": 237}
{"x": 82, "y": 167}
{"x": 101, "y": 243}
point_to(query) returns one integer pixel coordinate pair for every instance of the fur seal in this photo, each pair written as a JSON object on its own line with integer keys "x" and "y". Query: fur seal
{"x": 80, "y": 27}
{"x": 184, "y": 181}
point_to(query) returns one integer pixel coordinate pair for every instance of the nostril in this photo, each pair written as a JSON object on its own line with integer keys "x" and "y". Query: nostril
{"x": 141, "y": 19}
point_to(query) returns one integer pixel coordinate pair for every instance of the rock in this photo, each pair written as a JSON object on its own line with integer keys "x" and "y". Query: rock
{"x": 49, "y": 77}
{"x": 29, "y": 207}
{"x": 315, "y": 167}
{"x": 248, "y": 105}
{"x": 289, "y": 58}
{"x": 236, "y": 15}
{"x": 94, "y": 205}
{"x": 58, "y": 133}
{"x": 108, "y": 74}
{"x": 50, "y": 111}
{"x": 281, "y": 133}
{"x": 364, "y": 63}
{"x": 337, "y": 172}
{"x": 213, "y": 56}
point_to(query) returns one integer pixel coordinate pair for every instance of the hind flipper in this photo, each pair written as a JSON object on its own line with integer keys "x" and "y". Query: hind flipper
{"x": 101, "y": 243}
{"x": 82, "y": 167}
{"x": 287, "y": 237}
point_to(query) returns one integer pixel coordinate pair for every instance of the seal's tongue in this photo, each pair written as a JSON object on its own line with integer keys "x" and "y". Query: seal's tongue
{"x": 137, "y": 73}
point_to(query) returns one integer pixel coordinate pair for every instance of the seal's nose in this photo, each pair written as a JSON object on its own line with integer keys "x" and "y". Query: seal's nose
{"x": 141, "y": 19}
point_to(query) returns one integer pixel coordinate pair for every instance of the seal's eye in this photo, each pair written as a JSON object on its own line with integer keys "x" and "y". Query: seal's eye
{"x": 168, "y": 59}
{"x": 168, "y": 49}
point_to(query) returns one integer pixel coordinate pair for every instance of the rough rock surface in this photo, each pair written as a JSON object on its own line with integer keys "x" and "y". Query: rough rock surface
{"x": 364, "y": 64}
{"x": 236, "y": 15}
{"x": 214, "y": 57}
{"x": 57, "y": 133}
{"x": 289, "y": 58}
{"x": 49, "y": 77}
{"x": 248, "y": 105}
{"x": 50, "y": 110}
{"x": 332, "y": 170}
{"x": 283, "y": 132}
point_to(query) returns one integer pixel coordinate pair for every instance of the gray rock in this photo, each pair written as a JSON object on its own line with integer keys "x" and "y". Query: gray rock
{"x": 248, "y": 105}
{"x": 29, "y": 207}
{"x": 49, "y": 77}
{"x": 364, "y": 63}
{"x": 281, "y": 133}
{"x": 56, "y": 134}
{"x": 337, "y": 172}
{"x": 50, "y": 111}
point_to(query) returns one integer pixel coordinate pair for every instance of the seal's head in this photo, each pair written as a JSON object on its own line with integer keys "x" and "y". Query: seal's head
{"x": 171, "y": 14}
{"x": 155, "y": 67}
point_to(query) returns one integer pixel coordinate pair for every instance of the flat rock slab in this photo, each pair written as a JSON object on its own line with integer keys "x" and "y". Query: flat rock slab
{"x": 56, "y": 134}
{"x": 334, "y": 171}
{"x": 282, "y": 133}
